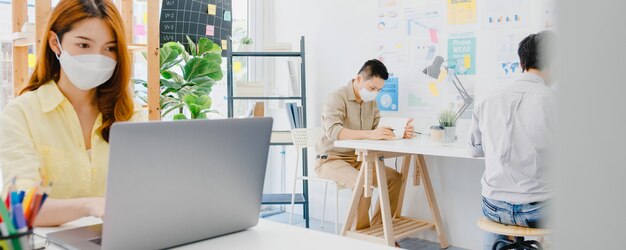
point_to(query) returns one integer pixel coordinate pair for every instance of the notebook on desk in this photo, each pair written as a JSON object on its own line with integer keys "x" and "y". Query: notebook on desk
{"x": 172, "y": 183}
{"x": 397, "y": 124}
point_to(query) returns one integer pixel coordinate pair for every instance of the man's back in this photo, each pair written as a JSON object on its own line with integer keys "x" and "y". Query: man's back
{"x": 515, "y": 126}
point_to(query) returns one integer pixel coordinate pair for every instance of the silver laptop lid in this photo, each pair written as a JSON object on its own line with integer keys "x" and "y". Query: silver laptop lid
{"x": 172, "y": 183}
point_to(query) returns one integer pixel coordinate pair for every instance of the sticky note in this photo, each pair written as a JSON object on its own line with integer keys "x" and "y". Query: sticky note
{"x": 433, "y": 89}
{"x": 467, "y": 61}
{"x": 31, "y": 60}
{"x": 140, "y": 30}
{"x": 442, "y": 76}
{"x": 145, "y": 17}
{"x": 224, "y": 44}
{"x": 433, "y": 35}
{"x": 212, "y": 9}
{"x": 237, "y": 67}
{"x": 398, "y": 46}
{"x": 210, "y": 30}
{"x": 228, "y": 16}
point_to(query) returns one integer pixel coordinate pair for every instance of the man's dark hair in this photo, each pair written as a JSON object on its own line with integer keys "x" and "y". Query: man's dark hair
{"x": 534, "y": 51}
{"x": 374, "y": 68}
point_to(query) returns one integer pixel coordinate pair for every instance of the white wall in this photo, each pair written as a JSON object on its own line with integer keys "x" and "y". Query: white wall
{"x": 340, "y": 36}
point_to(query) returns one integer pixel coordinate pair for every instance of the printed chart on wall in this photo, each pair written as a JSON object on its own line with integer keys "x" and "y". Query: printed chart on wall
{"x": 508, "y": 65}
{"x": 506, "y": 13}
{"x": 196, "y": 19}
{"x": 461, "y": 11}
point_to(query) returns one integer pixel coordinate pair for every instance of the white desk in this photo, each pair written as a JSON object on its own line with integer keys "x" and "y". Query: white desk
{"x": 395, "y": 226}
{"x": 418, "y": 145}
{"x": 267, "y": 235}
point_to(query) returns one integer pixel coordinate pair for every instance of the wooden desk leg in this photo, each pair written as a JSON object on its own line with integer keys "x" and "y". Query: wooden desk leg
{"x": 416, "y": 174}
{"x": 406, "y": 161}
{"x": 430, "y": 195}
{"x": 357, "y": 191}
{"x": 385, "y": 207}
{"x": 365, "y": 166}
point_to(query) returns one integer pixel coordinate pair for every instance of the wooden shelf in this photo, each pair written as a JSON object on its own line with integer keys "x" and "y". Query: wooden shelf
{"x": 402, "y": 228}
{"x": 281, "y": 138}
{"x": 135, "y": 47}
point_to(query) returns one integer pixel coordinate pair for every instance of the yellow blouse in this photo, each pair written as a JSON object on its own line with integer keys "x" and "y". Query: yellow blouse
{"x": 40, "y": 135}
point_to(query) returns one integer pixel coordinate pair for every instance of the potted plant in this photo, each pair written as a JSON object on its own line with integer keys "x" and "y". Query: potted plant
{"x": 187, "y": 77}
{"x": 246, "y": 45}
{"x": 446, "y": 120}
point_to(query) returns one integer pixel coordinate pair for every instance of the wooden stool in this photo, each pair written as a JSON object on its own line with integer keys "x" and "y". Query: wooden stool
{"x": 394, "y": 226}
{"x": 515, "y": 231}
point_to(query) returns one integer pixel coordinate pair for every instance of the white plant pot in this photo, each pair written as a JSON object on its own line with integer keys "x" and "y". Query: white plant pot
{"x": 449, "y": 134}
{"x": 246, "y": 48}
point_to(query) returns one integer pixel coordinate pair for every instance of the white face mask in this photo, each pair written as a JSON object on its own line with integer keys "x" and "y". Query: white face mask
{"x": 86, "y": 71}
{"x": 366, "y": 95}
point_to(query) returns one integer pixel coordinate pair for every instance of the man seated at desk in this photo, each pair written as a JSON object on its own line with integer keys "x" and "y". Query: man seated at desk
{"x": 513, "y": 129}
{"x": 351, "y": 113}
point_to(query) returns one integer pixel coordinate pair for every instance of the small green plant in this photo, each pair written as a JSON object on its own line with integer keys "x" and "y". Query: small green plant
{"x": 446, "y": 119}
{"x": 246, "y": 41}
{"x": 187, "y": 78}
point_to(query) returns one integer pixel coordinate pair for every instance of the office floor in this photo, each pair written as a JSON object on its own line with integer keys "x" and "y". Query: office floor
{"x": 408, "y": 243}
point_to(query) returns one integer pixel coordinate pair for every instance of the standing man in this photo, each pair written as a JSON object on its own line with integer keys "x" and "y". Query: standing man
{"x": 351, "y": 113}
{"x": 514, "y": 130}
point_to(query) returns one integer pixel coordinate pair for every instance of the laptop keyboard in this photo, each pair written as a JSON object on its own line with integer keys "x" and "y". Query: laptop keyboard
{"x": 97, "y": 241}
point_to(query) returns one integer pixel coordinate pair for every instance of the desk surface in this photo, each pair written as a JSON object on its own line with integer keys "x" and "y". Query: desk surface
{"x": 418, "y": 145}
{"x": 266, "y": 235}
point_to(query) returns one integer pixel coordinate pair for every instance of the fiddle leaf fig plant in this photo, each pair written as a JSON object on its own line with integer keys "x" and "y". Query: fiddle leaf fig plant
{"x": 187, "y": 78}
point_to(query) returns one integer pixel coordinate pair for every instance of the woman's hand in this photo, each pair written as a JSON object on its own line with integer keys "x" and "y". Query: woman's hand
{"x": 408, "y": 129}
{"x": 94, "y": 207}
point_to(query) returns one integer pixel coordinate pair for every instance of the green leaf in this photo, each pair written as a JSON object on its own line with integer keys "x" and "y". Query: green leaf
{"x": 167, "y": 74}
{"x": 192, "y": 47}
{"x": 196, "y": 67}
{"x": 204, "y": 102}
{"x": 175, "y": 46}
{"x": 180, "y": 117}
{"x": 190, "y": 98}
{"x": 166, "y": 56}
{"x": 204, "y": 45}
{"x": 217, "y": 49}
{"x": 215, "y": 71}
{"x": 172, "y": 108}
{"x": 170, "y": 84}
{"x": 214, "y": 58}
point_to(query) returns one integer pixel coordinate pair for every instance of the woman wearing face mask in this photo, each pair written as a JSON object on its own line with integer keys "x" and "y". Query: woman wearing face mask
{"x": 351, "y": 113}
{"x": 57, "y": 130}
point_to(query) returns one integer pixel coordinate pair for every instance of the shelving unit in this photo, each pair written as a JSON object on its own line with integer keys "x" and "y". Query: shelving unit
{"x": 275, "y": 199}
{"x": 42, "y": 11}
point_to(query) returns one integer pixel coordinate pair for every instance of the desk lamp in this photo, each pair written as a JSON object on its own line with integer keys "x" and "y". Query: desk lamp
{"x": 435, "y": 69}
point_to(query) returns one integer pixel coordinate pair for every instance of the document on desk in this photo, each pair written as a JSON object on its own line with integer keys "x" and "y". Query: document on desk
{"x": 395, "y": 123}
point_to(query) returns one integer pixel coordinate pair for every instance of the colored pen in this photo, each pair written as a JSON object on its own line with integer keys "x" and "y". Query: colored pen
{"x": 28, "y": 201}
{"x": 4, "y": 244}
{"x": 4, "y": 212}
{"x": 34, "y": 209}
{"x": 20, "y": 223}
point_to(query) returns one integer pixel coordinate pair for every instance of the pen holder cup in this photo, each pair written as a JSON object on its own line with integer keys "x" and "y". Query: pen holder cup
{"x": 23, "y": 241}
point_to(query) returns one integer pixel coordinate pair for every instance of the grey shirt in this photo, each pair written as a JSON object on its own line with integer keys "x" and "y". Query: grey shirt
{"x": 514, "y": 129}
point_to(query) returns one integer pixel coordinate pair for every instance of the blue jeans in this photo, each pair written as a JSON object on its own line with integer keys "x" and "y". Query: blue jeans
{"x": 525, "y": 215}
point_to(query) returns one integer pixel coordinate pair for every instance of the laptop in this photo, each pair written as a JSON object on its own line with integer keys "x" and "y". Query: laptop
{"x": 174, "y": 183}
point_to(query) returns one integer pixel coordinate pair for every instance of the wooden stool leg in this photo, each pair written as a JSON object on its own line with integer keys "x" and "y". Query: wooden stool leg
{"x": 432, "y": 201}
{"x": 385, "y": 207}
{"x": 406, "y": 161}
{"x": 357, "y": 191}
